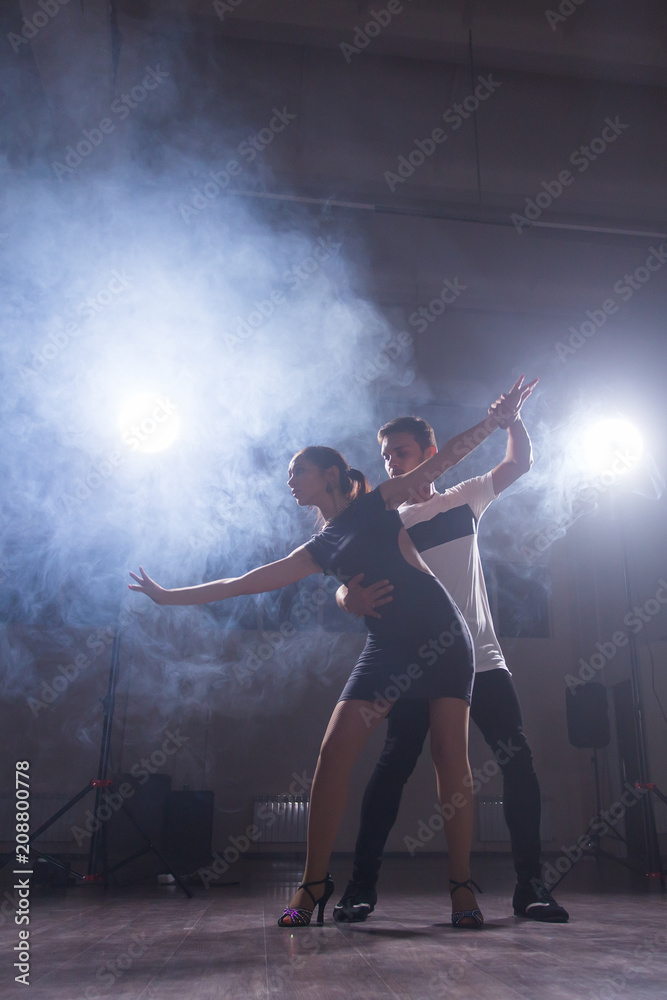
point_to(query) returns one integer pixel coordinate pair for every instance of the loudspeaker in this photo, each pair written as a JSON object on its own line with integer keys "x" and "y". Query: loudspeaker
{"x": 188, "y": 830}
{"x": 145, "y": 799}
{"x": 587, "y": 716}
{"x": 46, "y": 873}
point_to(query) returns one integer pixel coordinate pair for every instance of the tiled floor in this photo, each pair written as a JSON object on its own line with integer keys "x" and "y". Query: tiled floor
{"x": 152, "y": 942}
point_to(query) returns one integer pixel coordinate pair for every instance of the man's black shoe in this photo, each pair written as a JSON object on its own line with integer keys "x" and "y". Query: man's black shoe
{"x": 355, "y": 904}
{"x": 535, "y": 902}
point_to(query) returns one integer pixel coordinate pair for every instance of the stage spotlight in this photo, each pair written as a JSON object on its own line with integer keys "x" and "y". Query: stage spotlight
{"x": 149, "y": 422}
{"x": 613, "y": 445}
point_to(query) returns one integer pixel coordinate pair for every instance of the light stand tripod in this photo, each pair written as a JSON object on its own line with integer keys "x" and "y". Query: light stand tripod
{"x": 593, "y": 835}
{"x": 590, "y": 842}
{"x": 585, "y": 733}
{"x": 588, "y": 728}
{"x": 98, "y": 862}
{"x": 650, "y": 834}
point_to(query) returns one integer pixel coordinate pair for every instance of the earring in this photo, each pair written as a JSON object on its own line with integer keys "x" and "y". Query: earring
{"x": 329, "y": 488}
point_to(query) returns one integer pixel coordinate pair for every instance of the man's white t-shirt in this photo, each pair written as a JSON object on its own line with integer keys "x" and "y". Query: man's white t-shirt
{"x": 444, "y": 531}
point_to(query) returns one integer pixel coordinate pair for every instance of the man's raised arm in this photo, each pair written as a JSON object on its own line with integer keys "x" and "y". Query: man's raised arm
{"x": 518, "y": 457}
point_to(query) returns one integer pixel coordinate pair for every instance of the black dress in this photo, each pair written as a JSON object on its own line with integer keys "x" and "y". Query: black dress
{"x": 420, "y": 647}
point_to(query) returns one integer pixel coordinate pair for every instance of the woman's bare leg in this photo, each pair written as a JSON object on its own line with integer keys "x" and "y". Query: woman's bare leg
{"x": 449, "y": 749}
{"x": 349, "y": 729}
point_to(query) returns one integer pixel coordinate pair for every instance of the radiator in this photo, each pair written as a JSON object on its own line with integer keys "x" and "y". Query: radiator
{"x": 491, "y": 824}
{"x": 281, "y": 819}
{"x": 491, "y": 821}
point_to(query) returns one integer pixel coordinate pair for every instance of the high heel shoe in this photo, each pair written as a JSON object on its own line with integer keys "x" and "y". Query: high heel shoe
{"x": 474, "y": 917}
{"x": 302, "y": 916}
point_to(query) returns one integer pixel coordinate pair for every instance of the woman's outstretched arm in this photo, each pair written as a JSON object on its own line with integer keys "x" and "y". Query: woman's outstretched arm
{"x": 293, "y": 567}
{"x": 418, "y": 482}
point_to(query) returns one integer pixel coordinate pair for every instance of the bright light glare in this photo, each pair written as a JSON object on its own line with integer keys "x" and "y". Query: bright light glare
{"x": 613, "y": 445}
{"x": 149, "y": 422}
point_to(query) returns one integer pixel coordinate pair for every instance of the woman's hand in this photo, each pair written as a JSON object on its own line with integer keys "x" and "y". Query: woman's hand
{"x": 149, "y": 587}
{"x": 292, "y": 568}
{"x": 506, "y": 409}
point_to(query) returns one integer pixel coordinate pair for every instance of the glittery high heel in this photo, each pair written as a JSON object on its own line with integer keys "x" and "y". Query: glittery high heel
{"x": 302, "y": 917}
{"x": 473, "y": 918}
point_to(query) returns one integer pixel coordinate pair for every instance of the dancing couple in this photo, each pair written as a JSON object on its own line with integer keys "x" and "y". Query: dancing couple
{"x": 363, "y": 535}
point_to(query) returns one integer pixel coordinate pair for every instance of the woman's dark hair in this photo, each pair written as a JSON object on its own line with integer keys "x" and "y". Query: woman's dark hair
{"x": 352, "y": 482}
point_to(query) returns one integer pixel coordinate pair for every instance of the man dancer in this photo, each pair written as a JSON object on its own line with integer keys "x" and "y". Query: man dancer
{"x": 443, "y": 527}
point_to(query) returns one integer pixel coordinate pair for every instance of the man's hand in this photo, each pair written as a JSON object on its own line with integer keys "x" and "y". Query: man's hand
{"x": 362, "y": 601}
{"x": 507, "y": 408}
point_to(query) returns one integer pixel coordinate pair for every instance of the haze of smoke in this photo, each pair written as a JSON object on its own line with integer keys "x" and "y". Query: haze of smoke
{"x": 252, "y": 333}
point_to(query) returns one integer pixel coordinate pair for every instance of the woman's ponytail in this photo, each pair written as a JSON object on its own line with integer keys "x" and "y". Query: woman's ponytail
{"x": 353, "y": 483}
{"x": 359, "y": 483}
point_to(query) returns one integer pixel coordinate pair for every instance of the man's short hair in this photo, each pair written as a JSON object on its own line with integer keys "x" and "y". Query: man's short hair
{"x": 421, "y": 431}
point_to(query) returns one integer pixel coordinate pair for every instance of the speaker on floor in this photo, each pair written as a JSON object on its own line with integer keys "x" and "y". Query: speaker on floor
{"x": 188, "y": 830}
{"x": 587, "y": 716}
{"x": 145, "y": 799}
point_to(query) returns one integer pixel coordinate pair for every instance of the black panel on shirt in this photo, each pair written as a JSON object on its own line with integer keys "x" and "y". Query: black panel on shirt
{"x": 458, "y": 522}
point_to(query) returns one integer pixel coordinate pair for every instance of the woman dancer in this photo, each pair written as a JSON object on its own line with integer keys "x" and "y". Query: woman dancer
{"x": 421, "y": 650}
